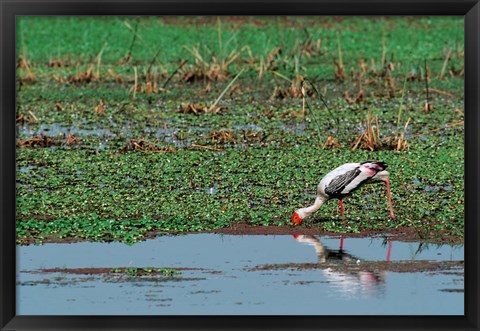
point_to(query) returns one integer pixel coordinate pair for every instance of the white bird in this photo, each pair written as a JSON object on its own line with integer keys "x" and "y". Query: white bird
{"x": 343, "y": 181}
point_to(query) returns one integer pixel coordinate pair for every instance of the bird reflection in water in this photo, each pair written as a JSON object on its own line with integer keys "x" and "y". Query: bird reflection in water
{"x": 350, "y": 282}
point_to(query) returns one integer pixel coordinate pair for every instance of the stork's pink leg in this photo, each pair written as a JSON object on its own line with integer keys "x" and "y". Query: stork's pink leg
{"x": 341, "y": 243}
{"x": 387, "y": 184}
{"x": 342, "y": 210}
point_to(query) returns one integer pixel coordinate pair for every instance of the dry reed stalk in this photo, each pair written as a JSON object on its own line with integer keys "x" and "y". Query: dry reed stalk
{"x": 440, "y": 92}
{"x": 115, "y": 76}
{"x": 445, "y": 62}
{"x": 33, "y": 116}
{"x": 30, "y": 77}
{"x": 207, "y": 147}
{"x": 401, "y": 143}
{"x": 99, "y": 60}
{"x": 222, "y": 137}
{"x": 40, "y": 140}
{"x": 70, "y": 139}
{"x": 145, "y": 146}
{"x": 135, "y": 83}
{"x": 438, "y": 129}
{"x": 340, "y": 73}
{"x": 331, "y": 143}
{"x": 100, "y": 108}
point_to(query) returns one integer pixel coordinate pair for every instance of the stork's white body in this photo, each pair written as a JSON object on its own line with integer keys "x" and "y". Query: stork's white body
{"x": 367, "y": 173}
{"x": 343, "y": 181}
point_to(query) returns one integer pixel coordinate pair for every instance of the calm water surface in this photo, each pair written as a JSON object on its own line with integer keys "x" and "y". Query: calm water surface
{"x": 232, "y": 279}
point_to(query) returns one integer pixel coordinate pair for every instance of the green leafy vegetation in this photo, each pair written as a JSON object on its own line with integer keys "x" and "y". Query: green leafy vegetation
{"x": 133, "y": 127}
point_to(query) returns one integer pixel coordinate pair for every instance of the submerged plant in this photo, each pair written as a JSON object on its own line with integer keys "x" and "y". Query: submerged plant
{"x": 137, "y": 272}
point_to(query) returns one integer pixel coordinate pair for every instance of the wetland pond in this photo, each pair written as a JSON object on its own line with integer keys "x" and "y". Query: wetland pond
{"x": 117, "y": 141}
{"x": 217, "y": 274}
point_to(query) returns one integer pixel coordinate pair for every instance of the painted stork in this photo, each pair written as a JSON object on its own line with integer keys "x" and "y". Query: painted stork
{"x": 342, "y": 182}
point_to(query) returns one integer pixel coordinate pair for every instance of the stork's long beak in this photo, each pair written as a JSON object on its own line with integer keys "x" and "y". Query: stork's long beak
{"x": 387, "y": 184}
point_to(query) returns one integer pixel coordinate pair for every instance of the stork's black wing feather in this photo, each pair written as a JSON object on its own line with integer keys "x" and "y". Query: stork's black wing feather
{"x": 338, "y": 184}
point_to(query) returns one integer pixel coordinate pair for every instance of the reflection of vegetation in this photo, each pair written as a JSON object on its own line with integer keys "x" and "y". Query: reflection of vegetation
{"x": 104, "y": 165}
{"x": 425, "y": 246}
{"x": 134, "y": 272}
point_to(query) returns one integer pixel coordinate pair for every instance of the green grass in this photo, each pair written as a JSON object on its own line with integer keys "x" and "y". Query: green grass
{"x": 105, "y": 188}
{"x": 79, "y": 40}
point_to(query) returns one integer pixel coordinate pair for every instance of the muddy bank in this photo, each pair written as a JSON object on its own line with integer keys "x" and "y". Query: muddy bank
{"x": 399, "y": 234}
{"x": 369, "y": 266}
{"x": 119, "y": 274}
{"x": 100, "y": 271}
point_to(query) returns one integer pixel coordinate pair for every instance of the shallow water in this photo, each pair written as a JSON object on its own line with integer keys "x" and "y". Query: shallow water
{"x": 239, "y": 275}
{"x": 56, "y": 129}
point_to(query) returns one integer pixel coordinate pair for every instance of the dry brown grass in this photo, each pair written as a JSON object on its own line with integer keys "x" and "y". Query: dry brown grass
{"x": 222, "y": 137}
{"x": 57, "y": 63}
{"x": 197, "y": 109}
{"x": 267, "y": 63}
{"x": 84, "y": 77}
{"x": 100, "y": 108}
{"x": 253, "y": 136}
{"x": 23, "y": 119}
{"x": 71, "y": 140}
{"x": 340, "y": 72}
{"x": 146, "y": 146}
{"x": 45, "y": 141}
{"x": 115, "y": 76}
{"x": 29, "y": 77}
{"x": 214, "y": 69}
{"x": 311, "y": 47}
{"x": 371, "y": 139}
{"x": 357, "y": 99}
{"x": 37, "y": 141}
{"x": 292, "y": 91}
{"x": 331, "y": 143}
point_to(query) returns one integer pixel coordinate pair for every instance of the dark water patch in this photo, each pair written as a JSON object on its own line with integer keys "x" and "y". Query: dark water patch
{"x": 59, "y": 129}
{"x": 298, "y": 129}
{"x": 248, "y": 127}
{"x": 437, "y": 188}
{"x": 27, "y": 169}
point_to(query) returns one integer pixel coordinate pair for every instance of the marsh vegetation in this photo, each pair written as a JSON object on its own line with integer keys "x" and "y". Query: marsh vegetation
{"x": 130, "y": 127}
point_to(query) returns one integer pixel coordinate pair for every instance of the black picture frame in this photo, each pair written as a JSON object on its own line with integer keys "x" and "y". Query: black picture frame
{"x": 9, "y": 9}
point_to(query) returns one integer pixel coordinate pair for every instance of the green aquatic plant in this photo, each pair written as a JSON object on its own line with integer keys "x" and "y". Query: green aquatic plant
{"x": 143, "y": 167}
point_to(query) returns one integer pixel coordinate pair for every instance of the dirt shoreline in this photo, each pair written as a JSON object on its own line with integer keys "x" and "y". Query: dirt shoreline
{"x": 399, "y": 234}
{"x": 369, "y": 266}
